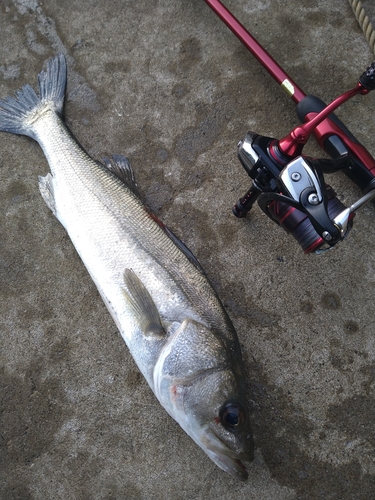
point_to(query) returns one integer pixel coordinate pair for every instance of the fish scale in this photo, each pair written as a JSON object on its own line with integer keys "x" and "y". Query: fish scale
{"x": 161, "y": 301}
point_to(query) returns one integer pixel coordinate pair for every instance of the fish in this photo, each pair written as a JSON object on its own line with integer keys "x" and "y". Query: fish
{"x": 165, "y": 308}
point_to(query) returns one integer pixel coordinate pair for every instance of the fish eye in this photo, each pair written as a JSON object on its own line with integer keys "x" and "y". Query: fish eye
{"x": 232, "y": 416}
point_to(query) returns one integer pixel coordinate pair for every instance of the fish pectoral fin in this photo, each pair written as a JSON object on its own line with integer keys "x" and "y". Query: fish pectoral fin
{"x": 47, "y": 192}
{"x": 142, "y": 306}
{"x": 120, "y": 166}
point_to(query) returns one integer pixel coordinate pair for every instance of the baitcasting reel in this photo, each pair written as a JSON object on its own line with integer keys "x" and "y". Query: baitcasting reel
{"x": 290, "y": 187}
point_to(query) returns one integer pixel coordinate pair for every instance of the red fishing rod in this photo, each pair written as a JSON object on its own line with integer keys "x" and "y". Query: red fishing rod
{"x": 290, "y": 187}
{"x": 257, "y": 50}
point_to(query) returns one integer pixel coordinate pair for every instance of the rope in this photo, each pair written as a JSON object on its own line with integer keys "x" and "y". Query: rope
{"x": 364, "y": 22}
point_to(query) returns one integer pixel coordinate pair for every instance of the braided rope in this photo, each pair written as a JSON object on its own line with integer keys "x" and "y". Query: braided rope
{"x": 364, "y": 22}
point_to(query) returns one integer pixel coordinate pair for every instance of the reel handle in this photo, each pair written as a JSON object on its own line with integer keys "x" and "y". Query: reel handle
{"x": 291, "y": 146}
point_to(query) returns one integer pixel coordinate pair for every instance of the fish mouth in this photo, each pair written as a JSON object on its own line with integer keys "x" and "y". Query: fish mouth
{"x": 229, "y": 460}
{"x": 230, "y": 463}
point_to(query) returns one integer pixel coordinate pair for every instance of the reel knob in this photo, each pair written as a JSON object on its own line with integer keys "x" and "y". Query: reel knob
{"x": 367, "y": 79}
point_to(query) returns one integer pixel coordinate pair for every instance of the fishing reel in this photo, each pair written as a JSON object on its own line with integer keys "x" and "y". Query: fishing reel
{"x": 290, "y": 187}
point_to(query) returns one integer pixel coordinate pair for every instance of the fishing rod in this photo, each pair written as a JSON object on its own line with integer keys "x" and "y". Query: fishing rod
{"x": 290, "y": 186}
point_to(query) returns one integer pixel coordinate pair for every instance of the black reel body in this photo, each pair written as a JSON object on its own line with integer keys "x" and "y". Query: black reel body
{"x": 294, "y": 196}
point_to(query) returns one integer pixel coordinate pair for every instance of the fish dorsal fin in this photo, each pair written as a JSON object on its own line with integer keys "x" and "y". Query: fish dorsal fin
{"x": 142, "y": 306}
{"x": 120, "y": 166}
{"x": 181, "y": 245}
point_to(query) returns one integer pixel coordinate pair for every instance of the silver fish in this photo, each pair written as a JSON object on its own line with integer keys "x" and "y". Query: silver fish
{"x": 167, "y": 312}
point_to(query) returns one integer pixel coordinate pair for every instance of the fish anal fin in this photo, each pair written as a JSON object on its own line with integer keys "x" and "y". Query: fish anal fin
{"x": 142, "y": 305}
{"x": 47, "y": 191}
{"x": 120, "y": 166}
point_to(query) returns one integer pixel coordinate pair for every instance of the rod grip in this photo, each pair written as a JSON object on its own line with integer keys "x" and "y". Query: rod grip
{"x": 312, "y": 104}
{"x": 337, "y": 140}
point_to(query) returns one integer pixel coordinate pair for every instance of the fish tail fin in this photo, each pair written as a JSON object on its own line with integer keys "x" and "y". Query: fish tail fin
{"x": 16, "y": 112}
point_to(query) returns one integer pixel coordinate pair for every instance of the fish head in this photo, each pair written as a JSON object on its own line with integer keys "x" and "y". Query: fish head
{"x": 229, "y": 440}
{"x": 219, "y": 421}
{"x": 200, "y": 382}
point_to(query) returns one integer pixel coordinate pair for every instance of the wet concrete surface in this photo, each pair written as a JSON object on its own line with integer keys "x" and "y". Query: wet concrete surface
{"x": 167, "y": 84}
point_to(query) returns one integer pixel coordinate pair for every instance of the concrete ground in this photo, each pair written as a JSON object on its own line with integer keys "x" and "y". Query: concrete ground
{"x": 166, "y": 83}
